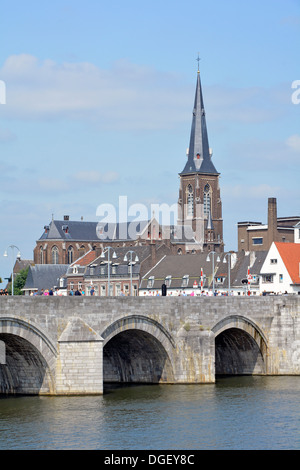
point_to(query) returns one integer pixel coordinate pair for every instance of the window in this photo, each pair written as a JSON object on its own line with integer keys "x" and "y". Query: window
{"x": 118, "y": 289}
{"x": 54, "y": 254}
{"x": 150, "y": 282}
{"x": 267, "y": 278}
{"x": 206, "y": 200}
{"x": 280, "y": 277}
{"x": 273, "y": 261}
{"x": 185, "y": 281}
{"x": 257, "y": 241}
{"x": 103, "y": 290}
{"x": 190, "y": 201}
{"x": 70, "y": 255}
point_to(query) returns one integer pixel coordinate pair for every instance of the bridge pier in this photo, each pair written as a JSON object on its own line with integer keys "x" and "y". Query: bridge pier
{"x": 196, "y": 355}
{"x": 79, "y": 369}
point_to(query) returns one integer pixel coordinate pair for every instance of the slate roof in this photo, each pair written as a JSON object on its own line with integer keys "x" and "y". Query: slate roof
{"x": 179, "y": 266}
{"x": 92, "y": 231}
{"x": 126, "y": 231}
{"x": 91, "y": 260}
{"x": 44, "y": 276}
{"x": 199, "y": 158}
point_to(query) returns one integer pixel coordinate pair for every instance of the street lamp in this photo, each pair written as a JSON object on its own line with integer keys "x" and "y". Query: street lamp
{"x": 213, "y": 253}
{"x": 18, "y": 257}
{"x": 229, "y": 266}
{"x": 131, "y": 252}
{"x": 107, "y": 249}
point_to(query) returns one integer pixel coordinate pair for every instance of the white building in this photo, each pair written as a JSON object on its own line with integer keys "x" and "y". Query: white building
{"x": 280, "y": 272}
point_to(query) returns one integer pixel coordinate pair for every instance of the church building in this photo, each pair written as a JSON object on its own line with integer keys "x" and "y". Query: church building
{"x": 199, "y": 203}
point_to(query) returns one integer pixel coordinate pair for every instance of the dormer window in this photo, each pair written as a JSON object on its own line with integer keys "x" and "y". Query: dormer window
{"x": 185, "y": 280}
{"x": 65, "y": 228}
{"x": 150, "y": 282}
{"x": 46, "y": 228}
{"x": 168, "y": 281}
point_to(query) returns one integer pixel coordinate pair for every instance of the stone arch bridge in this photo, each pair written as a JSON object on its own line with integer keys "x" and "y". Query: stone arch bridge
{"x": 73, "y": 345}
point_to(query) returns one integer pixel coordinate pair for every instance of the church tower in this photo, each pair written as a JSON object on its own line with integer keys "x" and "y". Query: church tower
{"x": 199, "y": 203}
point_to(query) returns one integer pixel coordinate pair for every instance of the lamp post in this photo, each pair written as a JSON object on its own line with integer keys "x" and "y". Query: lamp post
{"x": 229, "y": 266}
{"x": 131, "y": 252}
{"x": 107, "y": 250}
{"x": 213, "y": 253}
{"x": 18, "y": 257}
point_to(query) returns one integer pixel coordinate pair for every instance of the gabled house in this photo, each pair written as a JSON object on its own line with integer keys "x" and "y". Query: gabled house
{"x": 115, "y": 272}
{"x": 280, "y": 272}
{"x": 199, "y": 274}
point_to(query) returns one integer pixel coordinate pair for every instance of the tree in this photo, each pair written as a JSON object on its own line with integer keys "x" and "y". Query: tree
{"x": 19, "y": 282}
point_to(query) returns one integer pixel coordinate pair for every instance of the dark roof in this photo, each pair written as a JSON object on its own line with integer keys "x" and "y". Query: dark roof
{"x": 179, "y": 266}
{"x": 45, "y": 276}
{"x": 92, "y": 231}
{"x": 199, "y": 157}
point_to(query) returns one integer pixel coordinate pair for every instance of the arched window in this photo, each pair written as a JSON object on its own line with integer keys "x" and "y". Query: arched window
{"x": 70, "y": 255}
{"x": 54, "y": 255}
{"x": 190, "y": 201}
{"x": 206, "y": 199}
{"x": 41, "y": 255}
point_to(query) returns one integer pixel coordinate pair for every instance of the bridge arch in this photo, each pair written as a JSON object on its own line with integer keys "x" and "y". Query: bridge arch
{"x": 137, "y": 349}
{"x": 28, "y": 358}
{"x": 241, "y": 347}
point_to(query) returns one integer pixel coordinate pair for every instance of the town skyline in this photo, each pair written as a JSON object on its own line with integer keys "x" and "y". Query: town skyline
{"x": 92, "y": 114}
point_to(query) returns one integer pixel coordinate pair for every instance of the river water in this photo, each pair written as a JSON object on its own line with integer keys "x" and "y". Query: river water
{"x": 234, "y": 413}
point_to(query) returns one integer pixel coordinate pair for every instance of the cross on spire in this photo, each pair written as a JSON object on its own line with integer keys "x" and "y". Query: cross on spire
{"x": 198, "y": 60}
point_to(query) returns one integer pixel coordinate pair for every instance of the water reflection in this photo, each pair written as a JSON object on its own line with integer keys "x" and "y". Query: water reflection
{"x": 234, "y": 413}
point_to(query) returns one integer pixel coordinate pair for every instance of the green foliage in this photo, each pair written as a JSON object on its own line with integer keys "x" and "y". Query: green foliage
{"x": 19, "y": 282}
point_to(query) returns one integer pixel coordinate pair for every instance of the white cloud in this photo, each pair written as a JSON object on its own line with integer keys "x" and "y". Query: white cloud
{"x": 97, "y": 177}
{"x": 126, "y": 96}
{"x": 249, "y": 193}
{"x": 293, "y": 142}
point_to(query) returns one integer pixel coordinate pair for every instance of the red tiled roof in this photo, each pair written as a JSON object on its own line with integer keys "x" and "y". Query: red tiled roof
{"x": 290, "y": 254}
{"x": 86, "y": 259}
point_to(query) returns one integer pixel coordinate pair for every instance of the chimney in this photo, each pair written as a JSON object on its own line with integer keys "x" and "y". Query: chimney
{"x": 66, "y": 217}
{"x": 272, "y": 220}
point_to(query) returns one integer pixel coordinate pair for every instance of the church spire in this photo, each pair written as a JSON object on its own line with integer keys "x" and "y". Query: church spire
{"x": 199, "y": 158}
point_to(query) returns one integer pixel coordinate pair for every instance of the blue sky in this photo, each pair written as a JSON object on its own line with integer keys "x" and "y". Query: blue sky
{"x": 99, "y": 99}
